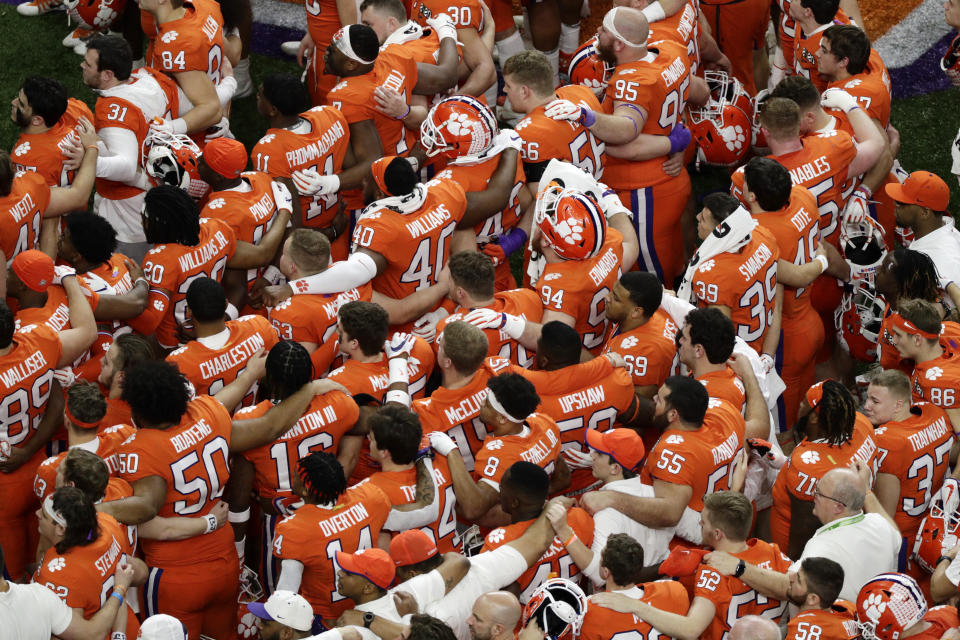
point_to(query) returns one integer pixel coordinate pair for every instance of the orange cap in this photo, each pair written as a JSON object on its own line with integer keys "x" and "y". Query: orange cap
{"x": 34, "y": 268}
{"x": 379, "y": 170}
{"x": 921, "y": 188}
{"x": 411, "y": 547}
{"x": 682, "y": 561}
{"x": 373, "y": 564}
{"x": 815, "y": 394}
{"x": 624, "y": 446}
{"x": 226, "y": 156}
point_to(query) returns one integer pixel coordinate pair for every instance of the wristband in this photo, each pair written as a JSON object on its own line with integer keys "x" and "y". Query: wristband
{"x": 851, "y": 110}
{"x": 179, "y": 126}
{"x": 118, "y": 597}
{"x": 512, "y": 240}
{"x": 143, "y": 280}
{"x": 399, "y": 396}
{"x": 92, "y": 146}
{"x": 398, "y": 370}
{"x": 239, "y": 516}
{"x": 121, "y": 590}
{"x": 653, "y": 12}
{"x": 211, "y": 523}
{"x": 118, "y": 635}
{"x": 942, "y": 558}
{"x": 273, "y": 275}
{"x": 822, "y": 259}
{"x": 569, "y": 541}
{"x": 588, "y": 118}
{"x": 404, "y": 115}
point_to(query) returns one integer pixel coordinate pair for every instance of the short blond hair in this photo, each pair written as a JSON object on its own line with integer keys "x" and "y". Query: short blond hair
{"x": 531, "y": 68}
{"x": 781, "y": 117}
{"x": 465, "y": 345}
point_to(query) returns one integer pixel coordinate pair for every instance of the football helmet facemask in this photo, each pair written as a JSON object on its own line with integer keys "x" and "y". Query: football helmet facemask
{"x": 889, "y": 604}
{"x": 171, "y": 158}
{"x": 722, "y": 127}
{"x": 558, "y": 606}
{"x": 938, "y": 531}
{"x": 458, "y": 126}
{"x": 570, "y": 221}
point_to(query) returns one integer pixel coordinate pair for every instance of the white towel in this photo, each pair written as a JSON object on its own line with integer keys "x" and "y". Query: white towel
{"x": 729, "y": 236}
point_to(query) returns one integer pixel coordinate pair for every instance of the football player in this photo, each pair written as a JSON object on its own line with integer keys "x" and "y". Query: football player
{"x": 299, "y": 138}
{"x": 517, "y": 432}
{"x": 473, "y": 286}
{"x": 523, "y": 493}
{"x": 739, "y": 279}
{"x": 127, "y": 350}
{"x": 834, "y": 434}
{"x": 846, "y": 61}
{"x": 913, "y": 620}
{"x": 620, "y": 564}
{"x": 221, "y": 349}
{"x": 905, "y": 433}
{"x": 127, "y": 102}
{"x": 916, "y": 335}
{"x": 718, "y": 600}
{"x": 812, "y": 18}
{"x": 187, "y": 247}
{"x": 645, "y": 335}
{"x": 641, "y": 87}
{"x": 784, "y": 60}
{"x": 704, "y": 345}
{"x": 740, "y": 31}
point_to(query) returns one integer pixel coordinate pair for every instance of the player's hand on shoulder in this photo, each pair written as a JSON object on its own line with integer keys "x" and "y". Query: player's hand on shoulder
{"x": 722, "y": 561}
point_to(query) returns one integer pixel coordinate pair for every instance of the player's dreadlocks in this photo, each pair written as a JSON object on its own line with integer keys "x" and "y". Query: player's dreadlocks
{"x": 156, "y": 392}
{"x": 322, "y": 476}
{"x": 915, "y": 276}
{"x": 837, "y": 412}
{"x": 171, "y": 216}
{"x": 288, "y": 368}
{"x": 81, "y": 516}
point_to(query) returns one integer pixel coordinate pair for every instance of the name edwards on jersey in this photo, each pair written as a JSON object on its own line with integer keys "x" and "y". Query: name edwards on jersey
{"x": 318, "y": 149}
{"x": 203, "y": 254}
{"x": 754, "y": 263}
{"x": 607, "y": 263}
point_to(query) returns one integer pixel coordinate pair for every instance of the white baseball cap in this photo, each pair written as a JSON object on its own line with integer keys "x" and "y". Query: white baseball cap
{"x": 287, "y": 608}
{"x": 162, "y": 627}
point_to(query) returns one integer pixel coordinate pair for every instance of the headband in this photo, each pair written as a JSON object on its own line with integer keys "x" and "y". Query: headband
{"x": 379, "y": 170}
{"x": 608, "y": 25}
{"x": 77, "y": 422}
{"x": 56, "y": 516}
{"x": 905, "y": 325}
{"x": 815, "y": 394}
{"x": 496, "y": 406}
{"x": 341, "y": 40}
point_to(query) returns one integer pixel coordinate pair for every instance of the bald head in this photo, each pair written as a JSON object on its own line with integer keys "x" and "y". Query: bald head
{"x": 754, "y": 628}
{"x": 845, "y": 485}
{"x": 502, "y": 607}
{"x": 630, "y": 23}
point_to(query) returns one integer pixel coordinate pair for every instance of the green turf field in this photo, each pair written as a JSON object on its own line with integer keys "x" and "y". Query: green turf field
{"x": 927, "y": 124}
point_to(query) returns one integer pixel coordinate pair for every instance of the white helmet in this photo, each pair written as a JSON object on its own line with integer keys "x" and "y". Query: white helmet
{"x": 558, "y": 606}
{"x": 171, "y": 158}
{"x": 863, "y": 248}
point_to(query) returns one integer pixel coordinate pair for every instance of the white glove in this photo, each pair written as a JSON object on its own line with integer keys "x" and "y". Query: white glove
{"x": 441, "y": 442}
{"x": 219, "y": 130}
{"x": 62, "y": 271}
{"x": 66, "y": 377}
{"x": 858, "y": 207}
{"x": 484, "y": 318}
{"x": 426, "y": 326}
{"x": 310, "y": 183}
{"x": 399, "y": 344}
{"x": 281, "y": 196}
{"x": 577, "y": 459}
{"x": 443, "y": 25}
{"x": 768, "y": 363}
{"x": 178, "y": 126}
{"x": 563, "y": 110}
{"x": 838, "y": 99}
{"x": 508, "y": 138}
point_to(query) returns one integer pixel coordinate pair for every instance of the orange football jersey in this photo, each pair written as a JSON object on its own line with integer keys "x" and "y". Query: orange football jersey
{"x": 518, "y": 302}
{"x": 805, "y": 47}
{"x": 416, "y": 245}
{"x": 400, "y": 487}
{"x": 724, "y": 385}
{"x": 318, "y": 141}
{"x": 21, "y": 212}
{"x": 682, "y": 27}
{"x": 107, "y": 445}
{"x": 312, "y": 319}
{"x": 249, "y": 213}
{"x": 744, "y": 281}
{"x": 327, "y": 418}
{"x": 211, "y": 369}
{"x": 820, "y": 166}
{"x": 936, "y": 381}
{"x": 601, "y": 623}
{"x": 82, "y": 576}
{"x": 111, "y": 278}
{"x": 474, "y": 177}
{"x": 132, "y": 105}
{"x": 839, "y": 622}
{"x": 456, "y": 412}
{"x": 43, "y": 152}
{"x": 871, "y": 87}
{"x": 544, "y": 139}
{"x": 577, "y": 398}
{"x": 466, "y": 14}
{"x": 193, "y": 42}
{"x": 650, "y": 350}
{"x": 193, "y": 459}
{"x": 661, "y": 89}
{"x": 171, "y": 268}
{"x": 555, "y": 561}
{"x": 787, "y": 32}
{"x": 538, "y": 442}
{"x": 732, "y": 597}
{"x": 54, "y": 313}
{"x": 26, "y": 374}
{"x": 808, "y": 463}
{"x": 915, "y": 451}
{"x": 941, "y": 619}
{"x": 579, "y": 289}
{"x": 313, "y": 535}
{"x": 701, "y": 459}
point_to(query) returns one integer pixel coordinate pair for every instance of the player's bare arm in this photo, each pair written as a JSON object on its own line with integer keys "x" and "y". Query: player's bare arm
{"x": 478, "y": 60}
{"x": 199, "y": 89}
{"x": 766, "y": 581}
{"x": 83, "y": 328}
{"x": 756, "y": 414}
{"x": 663, "y": 510}
{"x": 148, "y": 496}
{"x": 688, "y": 627}
{"x": 63, "y": 200}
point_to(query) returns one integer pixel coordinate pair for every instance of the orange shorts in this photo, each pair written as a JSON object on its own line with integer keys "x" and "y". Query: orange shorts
{"x": 202, "y": 595}
{"x": 18, "y": 523}
{"x": 802, "y": 339}
{"x": 826, "y": 294}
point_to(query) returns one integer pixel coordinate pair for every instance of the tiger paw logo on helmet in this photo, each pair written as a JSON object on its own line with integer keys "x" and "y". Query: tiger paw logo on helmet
{"x": 571, "y": 231}
{"x": 457, "y": 123}
{"x": 735, "y": 138}
{"x": 874, "y": 606}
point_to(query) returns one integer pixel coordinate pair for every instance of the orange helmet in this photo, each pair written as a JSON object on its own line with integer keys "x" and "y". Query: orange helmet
{"x": 171, "y": 158}
{"x": 889, "y": 604}
{"x": 858, "y": 319}
{"x": 938, "y": 531}
{"x": 587, "y": 69}
{"x": 558, "y": 606}
{"x": 458, "y": 126}
{"x": 722, "y": 127}
{"x": 570, "y": 221}
{"x": 94, "y": 15}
